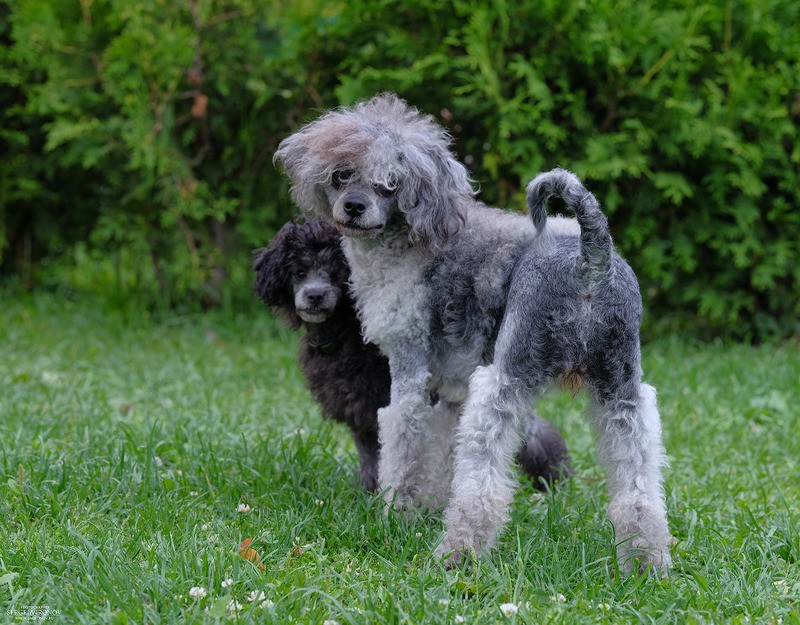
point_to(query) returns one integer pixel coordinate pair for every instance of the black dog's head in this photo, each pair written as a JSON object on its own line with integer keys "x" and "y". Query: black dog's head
{"x": 303, "y": 273}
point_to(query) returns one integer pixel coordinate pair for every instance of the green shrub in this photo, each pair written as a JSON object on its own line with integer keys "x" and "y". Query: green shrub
{"x": 681, "y": 116}
{"x": 151, "y": 126}
{"x": 156, "y": 124}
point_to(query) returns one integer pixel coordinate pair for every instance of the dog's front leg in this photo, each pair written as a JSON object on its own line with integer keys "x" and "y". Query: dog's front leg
{"x": 404, "y": 425}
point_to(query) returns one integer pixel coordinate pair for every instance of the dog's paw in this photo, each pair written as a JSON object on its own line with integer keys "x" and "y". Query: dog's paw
{"x": 453, "y": 561}
{"x": 644, "y": 560}
{"x": 450, "y": 558}
{"x": 399, "y": 500}
{"x": 368, "y": 480}
{"x": 454, "y": 553}
{"x": 643, "y": 537}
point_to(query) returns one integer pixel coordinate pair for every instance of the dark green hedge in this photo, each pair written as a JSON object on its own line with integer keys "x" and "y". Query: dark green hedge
{"x": 137, "y": 137}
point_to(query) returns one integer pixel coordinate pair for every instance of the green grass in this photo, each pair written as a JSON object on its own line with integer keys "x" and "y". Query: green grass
{"x": 126, "y": 448}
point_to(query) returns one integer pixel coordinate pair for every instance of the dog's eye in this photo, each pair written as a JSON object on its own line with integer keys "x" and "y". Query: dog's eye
{"x": 383, "y": 191}
{"x": 341, "y": 177}
{"x": 299, "y": 274}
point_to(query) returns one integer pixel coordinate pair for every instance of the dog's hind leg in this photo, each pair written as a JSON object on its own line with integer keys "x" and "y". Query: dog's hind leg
{"x": 483, "y": 477}
{"x": 440, "y": 453}
{"x": 630, "y": 447}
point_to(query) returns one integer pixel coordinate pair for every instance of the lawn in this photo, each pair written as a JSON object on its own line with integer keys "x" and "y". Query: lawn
{"x": 137, "y": 455}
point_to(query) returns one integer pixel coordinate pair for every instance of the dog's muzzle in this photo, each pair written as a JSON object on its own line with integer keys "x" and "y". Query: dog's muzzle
{"x": 315, "y": 304}
{"x": 352, "y": 218}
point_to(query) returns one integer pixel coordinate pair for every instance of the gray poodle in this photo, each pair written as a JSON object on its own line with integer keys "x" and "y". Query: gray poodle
{"x": 303, "y": 276}
{"x": 486, "y": 309}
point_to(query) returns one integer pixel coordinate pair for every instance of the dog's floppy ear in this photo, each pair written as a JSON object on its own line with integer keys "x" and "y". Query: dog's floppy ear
{"x": 433, "y": 193}
{"x": 272, "y": 267}
{"x": 305, "y": 171}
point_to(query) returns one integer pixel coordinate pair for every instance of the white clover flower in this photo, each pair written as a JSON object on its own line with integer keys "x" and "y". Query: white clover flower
{"x": 319, "y": 502}
{"x": 266, "y": 604}
{"x": 509, "y": 609}
{"x": 51, "y": 378}
{"x": 459, "y": 619}
{"x": 158, "y": 461}
{"x": 193, "y": 493}
{"x": 206, "y": 527}
{"x": 256, "y": 595}
{"x": 782, "y": 586}
{"x": 604, "y": 607}
{"x": 227, "y": 583}
{"x": 213, "y": 539}
{"x": 197, "y": 592}
{"x": 330, "y": 621}
{"x": 243, "y": 508}
{"x": 559, "y": 598}
{"x": 234, "y": 606}
{"x": 444, "y": 602}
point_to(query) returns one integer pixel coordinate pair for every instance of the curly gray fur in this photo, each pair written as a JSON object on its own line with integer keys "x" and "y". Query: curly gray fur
{"x": 485, "y": 309}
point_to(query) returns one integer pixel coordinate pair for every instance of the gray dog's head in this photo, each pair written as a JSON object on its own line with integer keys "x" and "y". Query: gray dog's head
{"x": 379, "y": 167}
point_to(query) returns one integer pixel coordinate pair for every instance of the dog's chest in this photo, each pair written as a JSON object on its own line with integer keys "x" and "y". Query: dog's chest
{"x": 391, "y": 295}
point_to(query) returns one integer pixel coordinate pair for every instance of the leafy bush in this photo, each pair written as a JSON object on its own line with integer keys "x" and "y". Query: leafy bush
{"x": 150, "y": 127}
{"x": 155, "y": 126}
{"x": 681, "y": 116}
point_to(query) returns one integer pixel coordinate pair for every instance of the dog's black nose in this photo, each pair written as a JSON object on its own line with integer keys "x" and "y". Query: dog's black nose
{"x": 315, "y": 298}
{"x": 354, "y": 207}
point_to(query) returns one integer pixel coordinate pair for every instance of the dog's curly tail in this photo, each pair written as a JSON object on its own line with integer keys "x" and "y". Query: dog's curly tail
{"x": 596, "y": 243}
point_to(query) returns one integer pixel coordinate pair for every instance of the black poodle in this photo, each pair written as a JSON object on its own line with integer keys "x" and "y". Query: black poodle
{"x": 303, "y": 275}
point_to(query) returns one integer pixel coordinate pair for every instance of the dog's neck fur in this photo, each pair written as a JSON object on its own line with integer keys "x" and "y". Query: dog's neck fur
{"x": 342, "y": 327}
{"x": 386, "y": 286}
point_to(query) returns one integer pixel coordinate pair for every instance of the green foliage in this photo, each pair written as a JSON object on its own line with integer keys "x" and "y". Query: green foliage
{"x": 158, "y": 122}
{"x": 682, "y": 117}
{"x": 149, "y": 127}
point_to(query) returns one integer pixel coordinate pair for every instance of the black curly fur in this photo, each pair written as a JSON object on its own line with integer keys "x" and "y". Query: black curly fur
{"x": 349, "y": 378}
